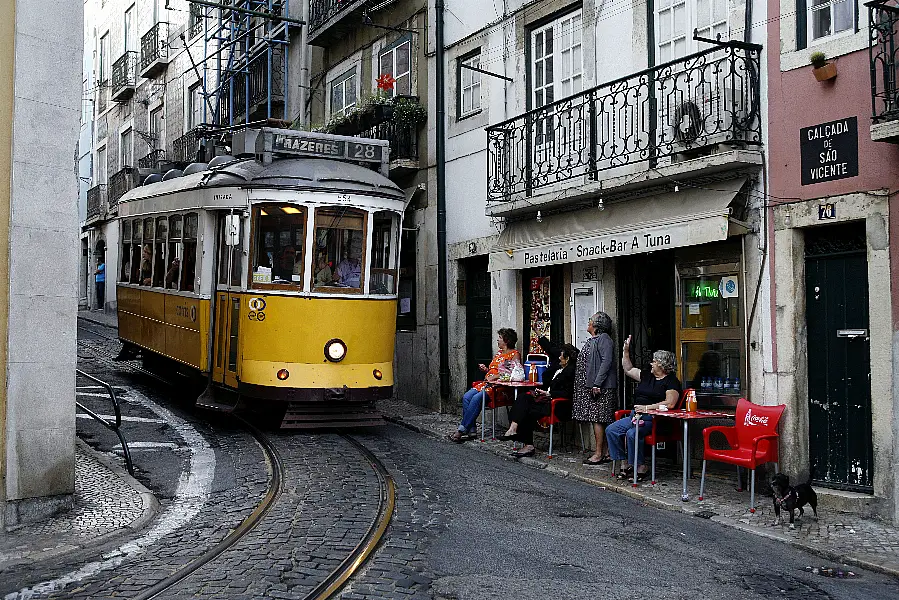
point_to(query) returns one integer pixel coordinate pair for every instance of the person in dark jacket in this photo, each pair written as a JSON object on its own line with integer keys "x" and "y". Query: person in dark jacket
{"x": 529, "y": 408}
{"x": 596, "y": 383}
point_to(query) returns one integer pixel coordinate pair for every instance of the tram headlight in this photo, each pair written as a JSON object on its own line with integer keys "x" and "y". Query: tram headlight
{"x": 335, "y": 350}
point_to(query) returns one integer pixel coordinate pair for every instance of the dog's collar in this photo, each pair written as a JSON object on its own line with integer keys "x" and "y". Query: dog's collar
{"x": 792, "y": 492}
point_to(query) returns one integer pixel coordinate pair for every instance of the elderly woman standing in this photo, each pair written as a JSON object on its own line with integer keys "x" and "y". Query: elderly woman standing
{"x": 658, "y": 386}
{"x": 501, "y": 367}
{"x": 595, "y": 384}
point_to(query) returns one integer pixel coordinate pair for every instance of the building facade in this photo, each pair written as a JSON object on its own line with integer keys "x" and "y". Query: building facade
{"x": 370, "y": 77}
{"x": 831, "y": 226}
{"x": 39, "y": 114}
{"x": 624, "y": 171}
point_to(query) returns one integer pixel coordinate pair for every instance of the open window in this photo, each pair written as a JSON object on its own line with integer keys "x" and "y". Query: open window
{"x": 173, "y": 272}
{"x": 125, "y": 271}
{"x": 159, "y": 251}
{"x": 146, "y": 253}
{"x": 384, "y": 252}
{"x": 339, "y": 248}
{"x": 137, "y": 235}
{"x": 189, "y": 258}
{"x": 279, "y": 241}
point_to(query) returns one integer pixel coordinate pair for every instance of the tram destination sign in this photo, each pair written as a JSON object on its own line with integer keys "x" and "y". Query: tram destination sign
{"x": 829, "y": 151}
{"x": 309, "y": 145}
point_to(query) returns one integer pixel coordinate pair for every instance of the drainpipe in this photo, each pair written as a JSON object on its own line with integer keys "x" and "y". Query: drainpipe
{"x": 440, "y": 135}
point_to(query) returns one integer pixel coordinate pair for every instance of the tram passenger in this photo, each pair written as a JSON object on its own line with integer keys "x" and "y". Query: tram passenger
{"x": 171, "y": 276}
{"x": 323, "y": 274}
{"x": 530, "y": 407}
{"x": 349, "y": 270}
{"x": 146, "y": 265}
{"x": 284, "y": 270}
{"x": 501, "y": 367}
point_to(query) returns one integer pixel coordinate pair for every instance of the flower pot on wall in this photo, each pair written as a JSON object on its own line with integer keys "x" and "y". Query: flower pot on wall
{"x": 828, "y": 71}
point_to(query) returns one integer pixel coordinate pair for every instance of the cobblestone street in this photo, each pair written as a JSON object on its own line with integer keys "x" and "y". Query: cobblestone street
{"x": 466, "y": 525}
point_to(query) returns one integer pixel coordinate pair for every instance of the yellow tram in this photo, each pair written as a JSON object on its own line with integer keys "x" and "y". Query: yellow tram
{"x": 273, "y": 274}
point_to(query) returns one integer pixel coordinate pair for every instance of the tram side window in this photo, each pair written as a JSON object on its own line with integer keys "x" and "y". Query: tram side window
{"x": 146, "y": 256}
{"x": 339, "y": 248}
{"x": 384, "y": 248}
{"x": 189, "y": 257}
{"x": 137, "y": 233}
{"x": 159, "y": 265}
{"x": 175, "y": 250}
{"x": 125, "y": 271}
{"x": 280, "y": 237}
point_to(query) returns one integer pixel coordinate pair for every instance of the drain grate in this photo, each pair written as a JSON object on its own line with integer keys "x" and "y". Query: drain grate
{"x": 705, "y": 514}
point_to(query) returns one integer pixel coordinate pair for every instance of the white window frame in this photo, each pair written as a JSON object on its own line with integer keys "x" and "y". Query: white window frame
{"x": 565, "y": 72}
{"x": 665, "y": 15}
{"x": 126, "y": 150}
{"x": 407, "y": 44}
{"x": 101, "y": 161}
{"x": 470, "y": 81}
{"x": 103, "y": 52}
{"x": 129, "y": 33}
{"x": 193, "y": 106}
{"x": 160, "y": 137}
{"x": 811, "y": 40}
{"x": 343, "y": 82}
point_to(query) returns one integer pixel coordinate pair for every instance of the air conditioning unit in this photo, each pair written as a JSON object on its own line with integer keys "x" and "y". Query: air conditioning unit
{"x": 703, "y": 118}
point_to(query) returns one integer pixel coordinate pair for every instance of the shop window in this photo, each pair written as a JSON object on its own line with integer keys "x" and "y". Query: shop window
{"x": 146, "y": 255}
{"x": 125, "y": 272}
{"x": 189, "y": 258}
{"x": 280, "y": 237}
{"x": 405, "y": 314}
{"x": 384, "y": 253}
{"x": 710, "y": 302}
{"x": 339, "y": 247}
{"x": 175, "y": 253}
{"x": 159, "y": 251}
{"x": 137, "y": 229}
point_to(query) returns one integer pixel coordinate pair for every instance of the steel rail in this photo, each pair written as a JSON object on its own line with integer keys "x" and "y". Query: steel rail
{"x": 116, "y": 427}
{"x": 363, "y": 550}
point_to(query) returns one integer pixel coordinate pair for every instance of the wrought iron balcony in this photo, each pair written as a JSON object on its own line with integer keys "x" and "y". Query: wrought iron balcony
{"x": 152, "y": 160}
{"x": 124, "y": 76}
{"x": 403, "y": 139}
{"x": 186, "y": 147}
{"x": 196, "y": 20}
{"x": 119, "y": 184}
{"x": 96, "y": 201}
{"x": 233, "y": 102}
{"x": 154, "y": 50}
{"x": 676, "y": 108}
{"x": 324, "y": 15}
{"x": 883, "y": 50}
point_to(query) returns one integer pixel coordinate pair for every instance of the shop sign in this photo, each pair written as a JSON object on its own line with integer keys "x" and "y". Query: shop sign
{"x": 829, "y": 151}
{"x": 651, "y": 239}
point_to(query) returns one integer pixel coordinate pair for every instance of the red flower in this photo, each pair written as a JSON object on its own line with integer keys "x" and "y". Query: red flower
{"x": 386, "y": 82}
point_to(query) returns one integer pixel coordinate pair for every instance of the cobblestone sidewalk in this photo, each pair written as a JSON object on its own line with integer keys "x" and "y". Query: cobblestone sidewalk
{"x": 836, "y": 536}
{"x": 106, "y": 504}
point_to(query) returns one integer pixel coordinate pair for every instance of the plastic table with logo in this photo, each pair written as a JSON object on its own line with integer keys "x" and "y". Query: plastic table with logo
{"x": 686, "y": 417}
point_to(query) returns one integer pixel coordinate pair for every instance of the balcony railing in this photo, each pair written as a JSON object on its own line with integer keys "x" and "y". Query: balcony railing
{"x": 196, "y": 20}
{"x": 681, "y": 106}
{"x": 185, "y": 148}
{"x": 154, "y": 50}
{"x": 883, "y": 50}
{"x": 119, "y": 184}
{"x": 124, "y": 76}
{"x": 321, "y": 11}
{"x": 152, "y": 160}
{"x": 96, "y": 201}
{"x": 403, "y": 139}
{"x": 233, "y": 95}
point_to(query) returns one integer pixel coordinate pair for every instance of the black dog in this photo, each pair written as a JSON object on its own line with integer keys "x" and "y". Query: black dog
{"x": 790, "y": 498}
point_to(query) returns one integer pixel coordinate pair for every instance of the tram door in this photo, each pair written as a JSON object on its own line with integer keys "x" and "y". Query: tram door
{"x": 227, "y": 300}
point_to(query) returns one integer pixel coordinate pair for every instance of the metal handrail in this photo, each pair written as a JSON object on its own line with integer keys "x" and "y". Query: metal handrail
{"x": 116, "y": 427}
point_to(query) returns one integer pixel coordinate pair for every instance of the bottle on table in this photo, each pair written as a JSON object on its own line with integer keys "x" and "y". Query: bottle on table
{"x": 691, "y": 401}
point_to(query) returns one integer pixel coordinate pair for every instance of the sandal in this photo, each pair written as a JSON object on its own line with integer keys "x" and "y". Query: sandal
{"x": 601, "y": 461}
{"x": 520, "y": 454}
{"x": 455, "y": 437}
{"x": 642, "y": 476}
{"x": 626, "y": 473}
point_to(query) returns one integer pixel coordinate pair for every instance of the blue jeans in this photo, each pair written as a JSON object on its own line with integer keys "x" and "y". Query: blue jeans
{"x": 624, "y": 428}
{"x": 471, "y": 408}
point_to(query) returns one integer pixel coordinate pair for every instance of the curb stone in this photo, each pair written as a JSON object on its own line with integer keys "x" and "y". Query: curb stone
{"x": 886, "y": 567}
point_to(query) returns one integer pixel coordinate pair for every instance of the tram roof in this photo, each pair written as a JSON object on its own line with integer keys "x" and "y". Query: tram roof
{"x": 302, "y": 173}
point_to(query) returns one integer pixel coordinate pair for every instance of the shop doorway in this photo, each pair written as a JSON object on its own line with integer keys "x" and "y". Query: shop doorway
{"x": 542, "y": 303}
{"x": 839, "y": 357}
{"x": 646, "y": 298}
{"x": 478, "y": 317}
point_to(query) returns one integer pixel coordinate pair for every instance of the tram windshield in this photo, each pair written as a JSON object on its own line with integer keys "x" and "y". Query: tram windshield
{"x": 339, "y": 246}
{"x": 278, "y": 245}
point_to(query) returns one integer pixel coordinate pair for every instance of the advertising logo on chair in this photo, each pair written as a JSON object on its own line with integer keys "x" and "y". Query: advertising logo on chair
{"x": 752, "y": 419}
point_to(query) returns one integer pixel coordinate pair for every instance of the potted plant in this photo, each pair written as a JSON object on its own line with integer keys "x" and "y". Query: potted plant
{"x": 408, "y": 112}
{"x": 340, "y": 124}
{"x": 374, "y": 109}
{"x": 822, "y": 69}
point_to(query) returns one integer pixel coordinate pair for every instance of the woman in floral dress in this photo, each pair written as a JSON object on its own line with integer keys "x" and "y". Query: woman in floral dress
{"x": 596, "y": 383}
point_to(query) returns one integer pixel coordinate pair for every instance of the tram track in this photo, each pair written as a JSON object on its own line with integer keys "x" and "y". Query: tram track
{"x": 338, "y": 578}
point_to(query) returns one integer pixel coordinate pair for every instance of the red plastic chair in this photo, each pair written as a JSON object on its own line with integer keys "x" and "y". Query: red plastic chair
{"x": 753, "y": 441}
{"x": 661, "y": 432}
{"x": 551, "y": 420}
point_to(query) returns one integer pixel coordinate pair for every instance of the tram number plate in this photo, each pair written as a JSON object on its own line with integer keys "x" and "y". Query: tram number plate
{"x": 364, "y": 151}
{"x": 186, "y": 312}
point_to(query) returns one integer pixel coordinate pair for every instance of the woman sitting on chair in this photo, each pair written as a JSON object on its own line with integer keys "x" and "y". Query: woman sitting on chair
{"x": 658, "y": 386}
{"x": 529, "y": 408}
